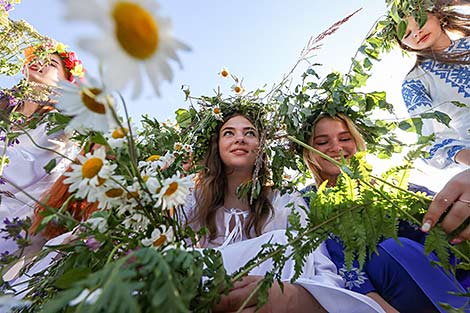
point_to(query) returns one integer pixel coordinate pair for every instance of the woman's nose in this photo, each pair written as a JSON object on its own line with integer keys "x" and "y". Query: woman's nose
{"x": 239, "y": 138}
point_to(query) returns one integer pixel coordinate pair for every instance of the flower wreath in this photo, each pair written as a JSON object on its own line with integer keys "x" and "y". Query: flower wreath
{"x": 42, "y": 50}
{"x": 200, "y": 125}
{"x": 332, "y": 96}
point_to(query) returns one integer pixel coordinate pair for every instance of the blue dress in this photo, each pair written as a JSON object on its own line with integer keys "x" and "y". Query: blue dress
{"x": 401, "y": 273}
{"x": 434, "y": 86}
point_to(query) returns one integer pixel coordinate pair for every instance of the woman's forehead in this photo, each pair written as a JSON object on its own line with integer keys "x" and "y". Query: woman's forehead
{"x": 238, "y": 121}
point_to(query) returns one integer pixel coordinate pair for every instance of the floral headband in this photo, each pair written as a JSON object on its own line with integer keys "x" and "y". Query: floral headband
{"x": 72, "y": 63}
{"x": 200, "y": 125}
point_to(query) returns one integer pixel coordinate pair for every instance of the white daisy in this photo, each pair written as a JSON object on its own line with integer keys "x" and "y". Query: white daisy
{"x": 113, "y": 195}
{"x": 137, "y": 221}
{"x": 92, "y": 172}
{"x": 174, "y": 191}
{"x": 134, "y": 38}
{"x": 224, "y": 72}
{"x": 117, "y": 136}
{"x": 238, "y": 88}
{"x": 89, "y": 107}
{"x": 159, "y": 237}
{"x": 217, "y": 113}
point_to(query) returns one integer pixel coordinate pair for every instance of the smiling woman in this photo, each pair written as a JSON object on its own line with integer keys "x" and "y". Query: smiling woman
{"x": 229, "y": 165}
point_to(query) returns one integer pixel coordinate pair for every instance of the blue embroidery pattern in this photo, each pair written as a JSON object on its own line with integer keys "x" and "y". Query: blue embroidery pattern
{"x": 457, "y": 76}
{"x": 353, "y": 277}
{"x": 453, "y": 151}
{"x": 415, "y": 95}
{"x": 438, "y": 146}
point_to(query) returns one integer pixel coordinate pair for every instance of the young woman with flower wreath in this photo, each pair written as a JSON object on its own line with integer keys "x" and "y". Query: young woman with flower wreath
{"x": 232, "y": 156}
{"x": 31, "y": 149}
{"x": 400, "y": 277}
{"x": 239, "y": 226}
{"x": 439, "y": 80}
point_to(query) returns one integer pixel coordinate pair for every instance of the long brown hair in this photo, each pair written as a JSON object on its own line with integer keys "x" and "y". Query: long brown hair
{"x": 452, "y": 21}
{"x": 309, "y": 156}
{"x": 210, "y": 185}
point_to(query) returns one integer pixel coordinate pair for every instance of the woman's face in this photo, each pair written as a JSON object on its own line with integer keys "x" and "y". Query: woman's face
{"x": 333, "y": 138}
{"x": 238, "y": 144}
{"x": 431, "y": 35}
{"x": 47, "y": 74}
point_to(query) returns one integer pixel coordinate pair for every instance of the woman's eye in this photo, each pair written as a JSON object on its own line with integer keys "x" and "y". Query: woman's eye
{"x": 250, "y": 133}
{"x": 321, "y": 143}
{"x": 227, "y": 133}
{"x": 345, "y": 139}
{"x": 406, "y": 35}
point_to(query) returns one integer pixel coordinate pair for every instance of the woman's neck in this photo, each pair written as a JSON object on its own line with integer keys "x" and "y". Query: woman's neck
{"x": 442, "y": 42}
{"x": 231, "y": 200}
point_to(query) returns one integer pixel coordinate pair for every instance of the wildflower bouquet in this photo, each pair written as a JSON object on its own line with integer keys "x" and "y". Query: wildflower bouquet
{"x": 129, "y": 252}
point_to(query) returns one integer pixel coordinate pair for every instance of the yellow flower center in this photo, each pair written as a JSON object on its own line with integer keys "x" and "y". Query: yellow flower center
{"x": 90, "y": 102}
{"x": 153, "y": 157}
{"x": 114, "y": 193}
{"x": 178, "y": 147}
{"x": 224, "y": 73}
{"x": 132, "y": 195}
{"x": 119, "y": 133}
{"x": 237, "y": 89}
{"x": 161, "y": 240}
{"x": 145, "y": 178}
{"x": 136, "y": 30}
{"x": 171, "y": 189}
{"x": 92, "y": 167}
{"x": 216, "y": 110}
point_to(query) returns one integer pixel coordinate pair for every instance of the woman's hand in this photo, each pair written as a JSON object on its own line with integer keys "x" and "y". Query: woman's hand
{"x": 294, "y": 298}
{"x": 455, "y": 196}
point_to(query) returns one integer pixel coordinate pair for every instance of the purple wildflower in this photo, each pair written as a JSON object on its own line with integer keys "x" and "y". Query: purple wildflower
{"x": 92, "y": 243}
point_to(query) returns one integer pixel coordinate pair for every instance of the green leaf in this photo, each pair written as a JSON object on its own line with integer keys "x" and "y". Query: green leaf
{"x": 401, "y": 29}
{"x": 50, "y": 166}
{"x": 439, "y": 116}
{"x": 70, "y": 277}
{"x": 183, "y": 117}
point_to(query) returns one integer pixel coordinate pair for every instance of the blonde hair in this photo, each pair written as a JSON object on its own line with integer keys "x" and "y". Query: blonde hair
{"x": 309, "y": 156}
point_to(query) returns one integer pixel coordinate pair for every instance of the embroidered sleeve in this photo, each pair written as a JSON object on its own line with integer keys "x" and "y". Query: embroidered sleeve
{"x": 446, "y": 144}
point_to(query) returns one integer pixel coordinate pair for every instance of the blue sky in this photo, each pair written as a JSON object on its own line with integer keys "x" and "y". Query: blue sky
{"x": 258, "y": 40}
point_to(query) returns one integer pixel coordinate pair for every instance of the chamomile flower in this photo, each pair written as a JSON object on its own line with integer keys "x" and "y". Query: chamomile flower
{"x": 135, "y": 39}
{"x": 89, "y": 106}
{"x": 92, "y": 171}
{"x": 238, "y": 88}
{"x": 224, "y": 72}
{"x": 112, "y": 196}
{"x": 188, "y": 148}
{"x": 117, "y": 136}
{"x": 217, "y": 113}
{"x": 136, "y": 221}
{"x": 159, "y": 237}
{"x": 174, "y": 191}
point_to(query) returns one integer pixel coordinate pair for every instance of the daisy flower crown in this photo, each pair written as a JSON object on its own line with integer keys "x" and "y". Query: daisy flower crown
{"x": 41, "y": 51}
{"x": 202, "y": 124}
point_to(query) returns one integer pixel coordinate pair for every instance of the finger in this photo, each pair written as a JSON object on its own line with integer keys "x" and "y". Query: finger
{"x": 235, "y": 298}
{"x": 438, "y": 206}
{"x": 464, "y": 235}
{"x": 250, "y": 309}
{"x": 245, "y": 281}
{"x": 456, "y": 218}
